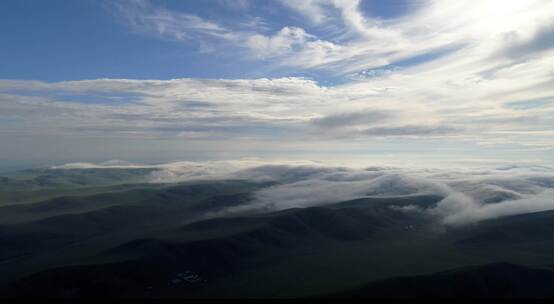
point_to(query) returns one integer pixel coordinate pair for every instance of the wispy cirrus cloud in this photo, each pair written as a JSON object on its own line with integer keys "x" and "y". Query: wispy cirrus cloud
{"x": 144, "y": 17}
{"x": 352, "y": 41}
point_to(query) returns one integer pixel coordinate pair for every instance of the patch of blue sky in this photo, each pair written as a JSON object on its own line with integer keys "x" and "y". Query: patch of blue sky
{"x": 82, "y": 40}
{"x": 531, "y": 104}
{"x": 424, "y": 58}
{"x": 323, "y": 79}
{"x": 227, "y": 14}
{"x": 406, "y": 63}
{"x": 389, "y": 9}
{"x": 97, "y": 46}
{"x": 326, "y": 80}
{"x": 265, "y": 17}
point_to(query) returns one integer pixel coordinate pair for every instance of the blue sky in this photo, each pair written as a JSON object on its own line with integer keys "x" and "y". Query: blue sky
{"x": 70, "y": 40}
{"x": 288, "y": 79}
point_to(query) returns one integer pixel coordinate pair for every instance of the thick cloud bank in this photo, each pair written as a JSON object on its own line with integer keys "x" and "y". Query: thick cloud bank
{"x": 470, "y": 195}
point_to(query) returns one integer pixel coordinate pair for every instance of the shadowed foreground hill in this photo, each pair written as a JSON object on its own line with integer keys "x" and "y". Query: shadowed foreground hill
{"x": 500, "y": 280}
{"x": 185, "y": 241}
{"x": 230, "y": 247}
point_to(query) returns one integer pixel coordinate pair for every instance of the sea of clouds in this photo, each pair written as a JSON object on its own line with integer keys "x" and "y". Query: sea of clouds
{"x": 469, "y": 194}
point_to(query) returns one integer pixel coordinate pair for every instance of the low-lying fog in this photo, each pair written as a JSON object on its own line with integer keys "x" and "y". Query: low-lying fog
{"x": 470, "y": 194}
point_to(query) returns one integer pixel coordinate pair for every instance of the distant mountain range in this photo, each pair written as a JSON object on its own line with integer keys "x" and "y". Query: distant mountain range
{"x": 111, "y": 233}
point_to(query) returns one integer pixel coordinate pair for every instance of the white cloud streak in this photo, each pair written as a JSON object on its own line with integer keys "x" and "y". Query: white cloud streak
{"x": 264, "y": 108}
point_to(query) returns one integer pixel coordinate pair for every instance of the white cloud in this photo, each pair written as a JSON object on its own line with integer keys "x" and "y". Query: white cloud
{"x": 460, "y": 209}
{"x": 469, "y": 195}
{"x": 113, "y": 164}
{"x": 283, "y": 42}
{"x": 301, "y": 109}
{"x": 143, "y": 17}
{"x": 308, "y": 8}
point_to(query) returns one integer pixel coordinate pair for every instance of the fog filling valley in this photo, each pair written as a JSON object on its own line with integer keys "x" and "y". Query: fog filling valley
{"x": 469, "y": 195}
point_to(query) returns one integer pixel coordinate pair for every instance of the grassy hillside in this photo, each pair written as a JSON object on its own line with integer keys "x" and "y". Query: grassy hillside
{"x": 144, "y": 240}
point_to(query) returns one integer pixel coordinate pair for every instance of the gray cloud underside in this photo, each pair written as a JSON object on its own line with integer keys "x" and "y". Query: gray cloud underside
{"x": 411, "y": 130}
{"x": 295, "y": 108}
{"x": 352, "y": 119}
{"x": 542, "y": 40}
